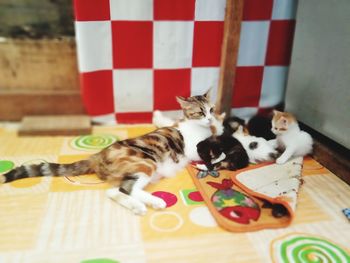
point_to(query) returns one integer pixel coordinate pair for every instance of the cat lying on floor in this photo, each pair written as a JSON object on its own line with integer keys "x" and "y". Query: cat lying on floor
{"x": 130, "y": 165}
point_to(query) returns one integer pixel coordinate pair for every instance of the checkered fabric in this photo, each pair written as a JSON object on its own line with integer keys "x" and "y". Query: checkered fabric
{"x": 135, "y": 56}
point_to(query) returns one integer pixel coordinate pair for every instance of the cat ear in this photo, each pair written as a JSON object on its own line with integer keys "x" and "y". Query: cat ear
{"x": 222, "y": 116}
{"x": 180, "y": 99}
{"x": 207, "y": 94}
{"x": 235, "y": 125}
{"x": 284, "y": 121}
{"x": 245, "y": 131}
{"x": 276, "y": 112}
{"x": 183, "y": 102}
{"x": 239, "y": 129}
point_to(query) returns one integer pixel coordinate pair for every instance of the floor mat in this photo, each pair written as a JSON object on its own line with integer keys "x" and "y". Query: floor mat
{"x": 70, "y": 219}
{"x": 258, "y": 197}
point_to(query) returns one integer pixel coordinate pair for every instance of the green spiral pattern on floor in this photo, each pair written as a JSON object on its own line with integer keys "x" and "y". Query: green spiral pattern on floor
{"x": 6, "y": 166}
{"x": 93, "y": 142}
{"x": 295, "y": 249}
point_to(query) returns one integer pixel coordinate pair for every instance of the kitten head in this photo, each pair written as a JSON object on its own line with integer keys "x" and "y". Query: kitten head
{"x": 232, "y": 124}
{"x": 198, "y": 108}
{"x": 282, "y": 122}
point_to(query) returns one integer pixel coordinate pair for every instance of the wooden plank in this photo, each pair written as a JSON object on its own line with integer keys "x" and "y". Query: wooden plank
{"x": 36, "y": 66}
{"x": 229, "y": 54}
{"x": 38, "y": 77}
{"x": 55, "y": 125}
{"x": 330, "y": 154}
{"x": 14, "y": 106}
{"x": 333, "y": 159}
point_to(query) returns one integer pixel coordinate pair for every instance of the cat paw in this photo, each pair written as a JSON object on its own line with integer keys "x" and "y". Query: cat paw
{"x": 280, "y": 161}
{"x": 274, "y": 155}
{"x": 158, "y": 204}
{"x": 219, "y": 159}
{"x": 139, "y": 209}
{"x": 201, "y": 167}
{"x": 2, "y": 179}
{"x": 112, "y": 193}
{"x": 157, "y": 114}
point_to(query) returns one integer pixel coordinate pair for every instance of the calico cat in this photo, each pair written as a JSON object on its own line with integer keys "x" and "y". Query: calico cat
{"x": 222, "y": 152}
{"x": 131, "y": 164}
{"x": 289, "y": 138}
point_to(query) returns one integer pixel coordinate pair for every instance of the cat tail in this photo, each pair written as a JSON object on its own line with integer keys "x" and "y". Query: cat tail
{"x": 160, "y": 121}
{"x": 48, "y": 169}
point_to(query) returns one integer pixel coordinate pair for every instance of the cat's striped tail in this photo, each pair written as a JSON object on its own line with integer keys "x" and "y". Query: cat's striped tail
{"x": 47, "y": 169}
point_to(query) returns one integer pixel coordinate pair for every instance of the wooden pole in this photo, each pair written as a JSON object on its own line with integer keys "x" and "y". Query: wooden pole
{"x": 229, "y": 54}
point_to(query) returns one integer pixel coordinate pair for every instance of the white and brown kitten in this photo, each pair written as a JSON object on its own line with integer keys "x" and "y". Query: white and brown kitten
{"x": 289, "y": 137}
{"x": 130, "y": 165}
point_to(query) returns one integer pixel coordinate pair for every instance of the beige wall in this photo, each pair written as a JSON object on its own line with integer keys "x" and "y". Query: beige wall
{"x": 318, "y": 89}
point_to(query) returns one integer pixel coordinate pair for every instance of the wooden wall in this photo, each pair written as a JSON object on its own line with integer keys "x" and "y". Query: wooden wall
{"x": 38, "y": 77}
{"x": 38, "y": 65}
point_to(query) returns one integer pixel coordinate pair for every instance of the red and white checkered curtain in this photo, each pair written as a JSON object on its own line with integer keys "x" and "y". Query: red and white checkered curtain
{"x": 135, "y": 56}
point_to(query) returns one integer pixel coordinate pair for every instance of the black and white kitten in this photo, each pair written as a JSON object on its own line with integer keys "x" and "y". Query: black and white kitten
{"x": 222, "y": 152}
{"x": 258, "y": 148}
